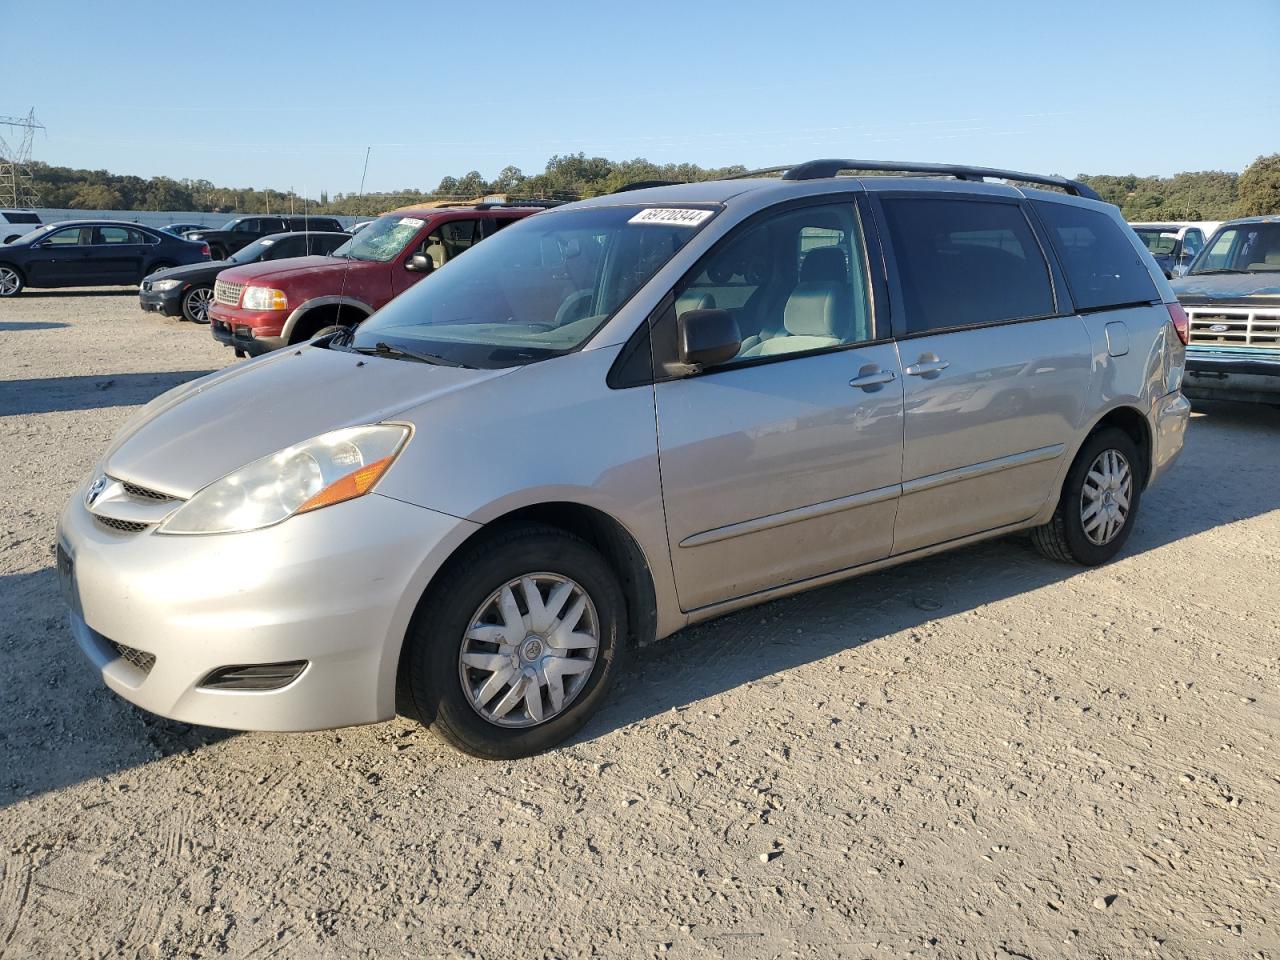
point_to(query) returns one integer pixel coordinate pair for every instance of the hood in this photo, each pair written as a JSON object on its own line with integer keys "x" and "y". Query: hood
{"x": 196, "y": 433}
{"x": 192, "y": 271}
{"x": 1227, "y": 286}
{"x": 279, "y": 270}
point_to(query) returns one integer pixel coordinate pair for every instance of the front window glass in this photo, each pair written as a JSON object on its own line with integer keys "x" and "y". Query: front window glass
{"x": 242, "y": 226}
{"x": 65, "y": 238}
{"x": 793, "y": 282}
{"x": 538, "y": 289}
{"x": 383, "y": 240}
{"x": 1243, "y": 248}
{"x": 1156, "y": 240}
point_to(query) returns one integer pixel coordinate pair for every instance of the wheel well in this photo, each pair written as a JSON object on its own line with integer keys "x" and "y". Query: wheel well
{"x": 615, "y": 544}
{"x": 325, "y": 315}
{"x": 15, "y": 268}
{"x": 1135, "y": 425}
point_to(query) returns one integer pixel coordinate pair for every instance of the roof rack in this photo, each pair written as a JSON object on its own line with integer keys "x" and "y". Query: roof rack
{"x": 498, "y": 204}
{"x": 821, "y": 169}
{"x": 645, "y": 184}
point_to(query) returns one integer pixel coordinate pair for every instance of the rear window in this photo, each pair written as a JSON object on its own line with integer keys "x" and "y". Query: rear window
{"x": 1101, "y": 264}
{"x": 21, "y": 217}
{"x": 966, "y": 262}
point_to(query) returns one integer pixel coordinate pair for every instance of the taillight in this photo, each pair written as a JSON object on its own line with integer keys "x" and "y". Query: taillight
{"x": 205, "y": 249}
{"x": 1178, "y": 317}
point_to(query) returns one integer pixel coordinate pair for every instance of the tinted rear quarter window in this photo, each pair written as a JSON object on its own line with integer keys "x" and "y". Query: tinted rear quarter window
{"x": 966, "y": 262}
{"x": 1102, "y": 267}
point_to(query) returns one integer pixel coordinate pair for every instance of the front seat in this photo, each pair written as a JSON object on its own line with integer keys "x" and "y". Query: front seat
{"x": 816, "y": 315}
{"x": 821, "y": 265}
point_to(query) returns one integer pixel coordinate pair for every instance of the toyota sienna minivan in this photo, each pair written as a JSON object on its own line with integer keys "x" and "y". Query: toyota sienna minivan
{"x": 616, "y": 418}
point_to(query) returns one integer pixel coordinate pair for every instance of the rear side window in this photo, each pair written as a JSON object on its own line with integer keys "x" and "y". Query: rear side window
{"x": 967, "y": 262}
{"x": 1103, "y": 269}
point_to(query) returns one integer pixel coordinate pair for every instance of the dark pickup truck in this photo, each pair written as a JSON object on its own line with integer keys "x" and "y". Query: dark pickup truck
{"x": 1231, "y": 295}
{"x": 242, "y": 231}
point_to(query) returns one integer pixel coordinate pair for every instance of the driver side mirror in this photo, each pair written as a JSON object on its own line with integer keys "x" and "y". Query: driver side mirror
{"x": 705, "y": 338}
{"x": 420, "y": 263}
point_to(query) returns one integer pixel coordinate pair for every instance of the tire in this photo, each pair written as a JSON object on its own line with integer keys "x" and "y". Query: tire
{"x": 11, "y": 281}
{"x": 473, "y": 589}
{"x": 156, "y": 268}
{"x": 217, "y": 253}
{"x": 1079, "y": 534}
{"x": 196, "y": 303}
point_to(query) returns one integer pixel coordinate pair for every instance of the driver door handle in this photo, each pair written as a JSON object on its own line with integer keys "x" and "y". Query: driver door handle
{"x": 928, "y": 366}
{"x": 871, "y": 378}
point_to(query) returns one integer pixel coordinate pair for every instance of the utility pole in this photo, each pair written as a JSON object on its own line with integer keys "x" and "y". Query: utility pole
{"x": 17, "y": 185}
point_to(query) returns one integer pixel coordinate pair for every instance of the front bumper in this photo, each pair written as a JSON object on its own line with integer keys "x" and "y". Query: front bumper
{"x": 167, "y": 302}
{"x": 253, "y": 332}
{"x": 1224, "y": 376}
{"x": 335, "y": 588}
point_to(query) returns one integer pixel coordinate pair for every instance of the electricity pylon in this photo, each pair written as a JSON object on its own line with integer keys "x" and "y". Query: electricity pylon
{"x": 17, "y": 186}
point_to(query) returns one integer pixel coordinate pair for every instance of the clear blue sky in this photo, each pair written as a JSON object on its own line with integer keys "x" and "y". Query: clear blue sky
{"x": 1064, "y": 87}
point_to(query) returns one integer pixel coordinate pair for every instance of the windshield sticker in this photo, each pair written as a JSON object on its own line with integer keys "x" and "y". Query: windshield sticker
{"x": 673, "y": 216}
{"x": 411, "y": 222}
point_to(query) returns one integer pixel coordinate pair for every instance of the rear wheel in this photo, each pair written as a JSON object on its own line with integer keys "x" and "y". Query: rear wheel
{"x": 10, "y": 281}
{"x": 196, "y": 303}
{"x": 515, "y": 646}
{"x": 1099, "y": 502}
{"x": 217, "y": 253}
{"x": 157, "y": 267}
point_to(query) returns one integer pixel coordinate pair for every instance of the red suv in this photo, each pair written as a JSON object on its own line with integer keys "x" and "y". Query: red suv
{"x": 262, "y": 306}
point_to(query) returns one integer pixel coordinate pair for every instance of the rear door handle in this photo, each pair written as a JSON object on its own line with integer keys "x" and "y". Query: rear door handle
{"x": 928, "y": 366}
{"x": 871, "y": 378}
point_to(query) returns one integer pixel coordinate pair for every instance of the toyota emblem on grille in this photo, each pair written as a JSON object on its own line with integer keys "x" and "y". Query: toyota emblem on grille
{"x": 95, "y": 491}
{"x": 1219, "y": 328}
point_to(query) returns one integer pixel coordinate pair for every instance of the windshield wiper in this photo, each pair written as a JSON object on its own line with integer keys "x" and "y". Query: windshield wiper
{"x": 1205, "y": 273}
{"x": 384, "y": 349}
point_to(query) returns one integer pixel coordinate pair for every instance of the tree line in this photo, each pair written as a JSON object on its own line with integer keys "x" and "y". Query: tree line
{"x": 1205, "y": 195}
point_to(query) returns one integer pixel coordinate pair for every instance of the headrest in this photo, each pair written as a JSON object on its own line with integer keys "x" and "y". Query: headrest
{"x": 824, "y": 263}
{"x": 817, "y": 310}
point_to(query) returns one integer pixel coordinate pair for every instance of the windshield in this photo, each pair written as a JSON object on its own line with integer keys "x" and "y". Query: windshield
{"x": 231, "y": 224}
{"x": 1156, "y": 240}
{"x": 254, "y": 251}
{"x": 538, "y": 289}
{"x": 1243, "y": 248}
{"x": 382, "y": 240}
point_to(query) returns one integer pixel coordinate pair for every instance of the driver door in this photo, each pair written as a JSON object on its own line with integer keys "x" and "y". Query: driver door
{"x": 59, "y": 259}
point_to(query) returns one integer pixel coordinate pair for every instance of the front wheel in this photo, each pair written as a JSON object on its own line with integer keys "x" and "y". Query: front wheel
{"x": 1099, "y": 502}
{"x": 10, "y": 282}
{"x": 514, "y": 648}
{"x": 196, "y": 303}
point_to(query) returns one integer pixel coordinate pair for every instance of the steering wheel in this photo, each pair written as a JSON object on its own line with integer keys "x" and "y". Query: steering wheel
{"x": 574, "y": 307}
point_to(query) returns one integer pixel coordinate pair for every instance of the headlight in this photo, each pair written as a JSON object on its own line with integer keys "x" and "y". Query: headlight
{"x": 165, "y": 284}
{"x": 316, "y": 473}
{"x": 264, "y": 298}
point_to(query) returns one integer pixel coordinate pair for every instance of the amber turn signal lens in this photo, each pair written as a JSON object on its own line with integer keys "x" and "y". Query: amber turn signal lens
{"x": 354, "y": 484}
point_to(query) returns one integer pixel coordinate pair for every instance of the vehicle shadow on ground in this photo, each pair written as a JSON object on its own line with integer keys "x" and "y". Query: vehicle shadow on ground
{"x": 56, "y": 707}
{"x": 753, "y": 644}
{"x": 128, "y": 291}
{"x": 7, "y": 326}
{"x": 53, "y": 394}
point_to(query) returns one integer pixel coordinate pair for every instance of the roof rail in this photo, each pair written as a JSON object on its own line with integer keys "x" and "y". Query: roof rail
{"x": 645, "y": 184}
{"x": 821, "y": 169}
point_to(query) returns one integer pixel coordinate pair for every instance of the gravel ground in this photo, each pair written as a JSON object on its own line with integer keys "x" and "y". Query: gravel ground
{"x": 979, "y": 755}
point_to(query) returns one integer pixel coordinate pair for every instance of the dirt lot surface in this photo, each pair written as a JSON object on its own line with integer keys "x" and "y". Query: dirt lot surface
{"x": 981, "y": 755}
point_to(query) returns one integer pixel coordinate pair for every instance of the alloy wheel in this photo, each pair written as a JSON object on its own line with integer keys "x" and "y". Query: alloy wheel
{"x": 1105, "y": 497}
{"x": 529, "y": 651}
{"x": 198, "y": 302}
{"x": 10, "y": 282}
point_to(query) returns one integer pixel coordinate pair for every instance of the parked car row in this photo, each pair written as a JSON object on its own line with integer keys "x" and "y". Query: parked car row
{"x": 597, "y": 424}
{"x": 78, "y": 253}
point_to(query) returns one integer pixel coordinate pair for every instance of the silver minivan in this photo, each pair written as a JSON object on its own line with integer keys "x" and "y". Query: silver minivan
{"x": 616, "y": 418}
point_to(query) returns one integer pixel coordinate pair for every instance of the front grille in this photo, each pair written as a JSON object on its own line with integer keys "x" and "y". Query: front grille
{"x": 123, "y": 526}
{"x": 142, "y": 660}
{"x": 228, "y": 293}
{"x": 1256, "y": 327}
{"x": 133, "y": 490}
